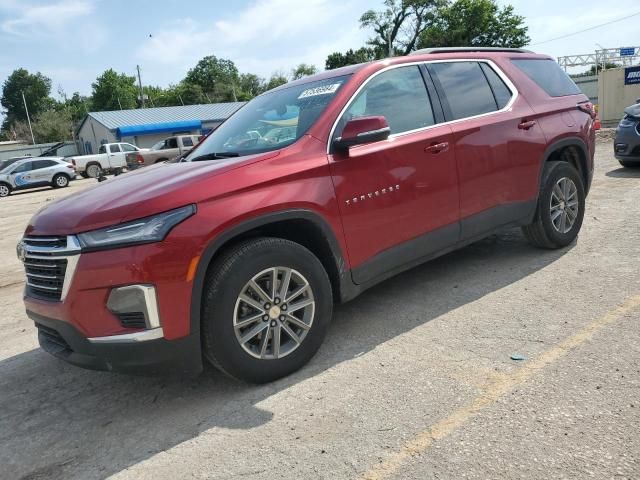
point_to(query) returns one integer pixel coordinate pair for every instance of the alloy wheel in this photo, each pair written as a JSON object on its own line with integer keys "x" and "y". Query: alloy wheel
{"x": 4, "y": 191}
{"x": 564, "y": 205}
{"x": 93, "y": 171}
{"x": 62, "y": 181}
{"x": 274, "y": 313}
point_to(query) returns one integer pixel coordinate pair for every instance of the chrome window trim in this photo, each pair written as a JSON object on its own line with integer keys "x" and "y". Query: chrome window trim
{"x": 514, "y": 95}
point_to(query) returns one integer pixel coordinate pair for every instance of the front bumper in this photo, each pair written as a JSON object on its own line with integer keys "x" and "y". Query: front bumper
{"x": 626, "y": 145}
{"x": 155, "y": 356}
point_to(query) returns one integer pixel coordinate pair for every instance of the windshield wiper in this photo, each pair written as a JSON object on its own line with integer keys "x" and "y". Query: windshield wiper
{"x": 215, "y": 156}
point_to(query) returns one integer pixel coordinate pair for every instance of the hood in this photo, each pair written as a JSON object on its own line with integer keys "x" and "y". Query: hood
{"x": 633, "y": 110}
{"x": 137, "y": 194}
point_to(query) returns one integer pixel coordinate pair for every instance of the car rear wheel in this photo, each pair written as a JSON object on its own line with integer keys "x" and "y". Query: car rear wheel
{"x": 5, "y": 190}
{"x": 560, "y": 209}
{"x": 60, "y": 181}
{"x": 267, "y": 304}
{"x": 93, "y": 170}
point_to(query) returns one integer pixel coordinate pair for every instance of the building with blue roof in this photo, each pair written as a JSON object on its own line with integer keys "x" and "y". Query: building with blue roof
{"x": 146, "y": 126}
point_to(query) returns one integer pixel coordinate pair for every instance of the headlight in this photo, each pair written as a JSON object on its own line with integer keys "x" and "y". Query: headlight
{"x": 143, "y": 230}
{"x": 626, "y": 122}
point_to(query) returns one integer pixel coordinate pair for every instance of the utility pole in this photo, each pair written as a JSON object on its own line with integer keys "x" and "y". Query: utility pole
{"x": 140, "y": 84}
{"x": 28, "y": 119}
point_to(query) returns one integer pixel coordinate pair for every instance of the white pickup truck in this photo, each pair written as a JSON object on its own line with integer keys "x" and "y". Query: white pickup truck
{"x": 110, "y": 156}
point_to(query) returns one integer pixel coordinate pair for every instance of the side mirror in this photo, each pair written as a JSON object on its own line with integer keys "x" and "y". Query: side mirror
{"x": 362, "y": 130}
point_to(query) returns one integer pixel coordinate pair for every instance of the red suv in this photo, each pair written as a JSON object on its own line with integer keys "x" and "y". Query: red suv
{"x": 238, "y": 252}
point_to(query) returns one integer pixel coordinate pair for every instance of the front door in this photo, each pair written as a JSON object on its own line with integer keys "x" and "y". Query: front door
{"x": 399, "y": 197}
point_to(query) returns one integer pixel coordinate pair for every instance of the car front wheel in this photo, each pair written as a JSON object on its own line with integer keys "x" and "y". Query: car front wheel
{"x": 560, "y": 209}
{"x": 267, "y": 304}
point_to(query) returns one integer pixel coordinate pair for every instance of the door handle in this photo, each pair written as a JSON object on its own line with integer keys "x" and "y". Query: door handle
{"x": 437, "y": 147}
{"x": 526, "y": 125}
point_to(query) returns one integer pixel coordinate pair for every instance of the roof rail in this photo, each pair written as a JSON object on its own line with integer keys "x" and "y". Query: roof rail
{"x": 468, "y": 49}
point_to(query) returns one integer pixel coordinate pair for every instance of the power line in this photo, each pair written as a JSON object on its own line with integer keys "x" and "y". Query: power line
{"x": 586, "y": 29}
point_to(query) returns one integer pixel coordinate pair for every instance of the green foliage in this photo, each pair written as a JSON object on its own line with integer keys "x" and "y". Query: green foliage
{"x": 36, "y": 88}
{"x": 113, "y": 91}
{"x": 77, "y": 106}
{"x": 53, "y": 126}
{"x": 397, "y": 28}
{"x": 592, "y": 70}
{"x": 303, "y": 70}
{"x": 350, "y": 57}
{"x": 217, "y": 77}
{"x": 249, "y": 86}
{"x": 478, "y": 23}
{"x": 277, "y": 79}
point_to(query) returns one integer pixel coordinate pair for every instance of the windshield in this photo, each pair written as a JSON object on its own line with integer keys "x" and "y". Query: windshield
{"x": 271, "y": 121}
{"x": 158, "y": 146}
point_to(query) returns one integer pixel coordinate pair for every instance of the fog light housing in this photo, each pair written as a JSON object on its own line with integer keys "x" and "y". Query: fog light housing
{"x": 136, "y": 306}
{"x": 621, "y": 147}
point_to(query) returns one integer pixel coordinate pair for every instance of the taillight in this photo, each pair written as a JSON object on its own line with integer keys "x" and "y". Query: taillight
{"x": 72, "y": 167}
{"x": 73, "y": 162}
{"x": 588, "y": 108}
{"x": 140, "y": 159}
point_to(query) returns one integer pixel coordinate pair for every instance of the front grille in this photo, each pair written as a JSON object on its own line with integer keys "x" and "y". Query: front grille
{"x": 54, "y": 242}
{"x": 132, "y": 319}
{"x": 46, "y": 263}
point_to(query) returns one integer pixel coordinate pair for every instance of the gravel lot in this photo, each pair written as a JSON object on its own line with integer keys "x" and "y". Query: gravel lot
{"x": 414, "y": 381}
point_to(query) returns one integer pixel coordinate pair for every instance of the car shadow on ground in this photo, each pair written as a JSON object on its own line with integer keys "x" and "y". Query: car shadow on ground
{"x": 624, "y": 172}
{"x": 94, "y": 424}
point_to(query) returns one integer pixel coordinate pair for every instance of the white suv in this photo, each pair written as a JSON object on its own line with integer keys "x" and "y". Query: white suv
{"x": 36, "y": 172}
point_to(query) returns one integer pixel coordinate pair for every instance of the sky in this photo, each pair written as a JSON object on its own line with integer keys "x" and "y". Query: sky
{"x": 73, "y": 41}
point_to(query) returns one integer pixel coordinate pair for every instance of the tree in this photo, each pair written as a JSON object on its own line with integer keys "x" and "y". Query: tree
{"x": 249, "y": 86}
{"x": 184, "y": 93}
{"x": 303, "y": 70}
{"x": 478, "y": 23}
{"x": 350, "y": 57}
{"x": 36, "y": 88}
{"x": 593, "y": 70}
{"x": 53, "y": 126}
{"x": 277, "y": 79}
{"x": 77, "y": 106}
{"x": 398, "y": 27}
{"x": 113, "y": 91}
{"x": 217, "y": 77}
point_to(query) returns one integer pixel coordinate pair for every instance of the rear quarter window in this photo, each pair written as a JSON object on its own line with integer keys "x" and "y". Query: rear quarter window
{"x": 548, "y": 75}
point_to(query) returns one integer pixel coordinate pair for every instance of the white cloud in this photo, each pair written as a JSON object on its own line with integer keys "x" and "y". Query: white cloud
{"x": 42, "y": 18}
{"x": 267, "y": 36}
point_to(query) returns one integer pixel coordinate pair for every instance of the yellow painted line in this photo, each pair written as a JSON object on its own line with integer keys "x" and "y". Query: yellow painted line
{"x": 502, "y": 384}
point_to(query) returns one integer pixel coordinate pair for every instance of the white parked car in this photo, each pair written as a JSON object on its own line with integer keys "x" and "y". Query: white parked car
{"x": 36, "y": 172}
{"x": 110, "y": 157}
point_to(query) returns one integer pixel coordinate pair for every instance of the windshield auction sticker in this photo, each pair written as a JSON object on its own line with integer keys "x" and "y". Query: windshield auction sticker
{"x": 324, "y": 90}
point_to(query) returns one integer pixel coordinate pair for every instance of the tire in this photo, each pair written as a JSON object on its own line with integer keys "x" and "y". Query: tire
{"x": 548, "y": 232}
{"x": 84, "y": 175}
{"x": 161, "y": 160}
{"x": 5, "y": 189}
{"x": 60, "y": 180}
{"x": 630, "y": 163}
{"x": 222, "y": 308}
{"x": 93, "y": 170}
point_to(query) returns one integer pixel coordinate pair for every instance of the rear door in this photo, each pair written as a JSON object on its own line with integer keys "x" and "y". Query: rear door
{"x": 399, "y": 197}
{"x": 22, "y": 175}
{"x": 498, "y": 148}
{"x": 43, "y": 170}
{"x": 116, "y": 156}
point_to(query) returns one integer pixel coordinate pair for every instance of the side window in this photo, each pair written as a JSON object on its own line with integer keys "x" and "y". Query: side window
{"x": 25, "y": 167}
{"x": 128, "y": 148}
{"x": 114, "y": 148}
{"x": 102, "y": 149}
{"x": 548, "y": 75}
{"x": 38, "y": 164}
{"x": 465, "y": 88}
{"x": 399, "y": 95}
{"x": 187, "y": 142}
{"x": 171, "y": 143}
{"x": 501, "y": 92}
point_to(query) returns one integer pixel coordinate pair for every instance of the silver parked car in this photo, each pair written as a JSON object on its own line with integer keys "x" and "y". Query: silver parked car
{"x": 36, "y": 172}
